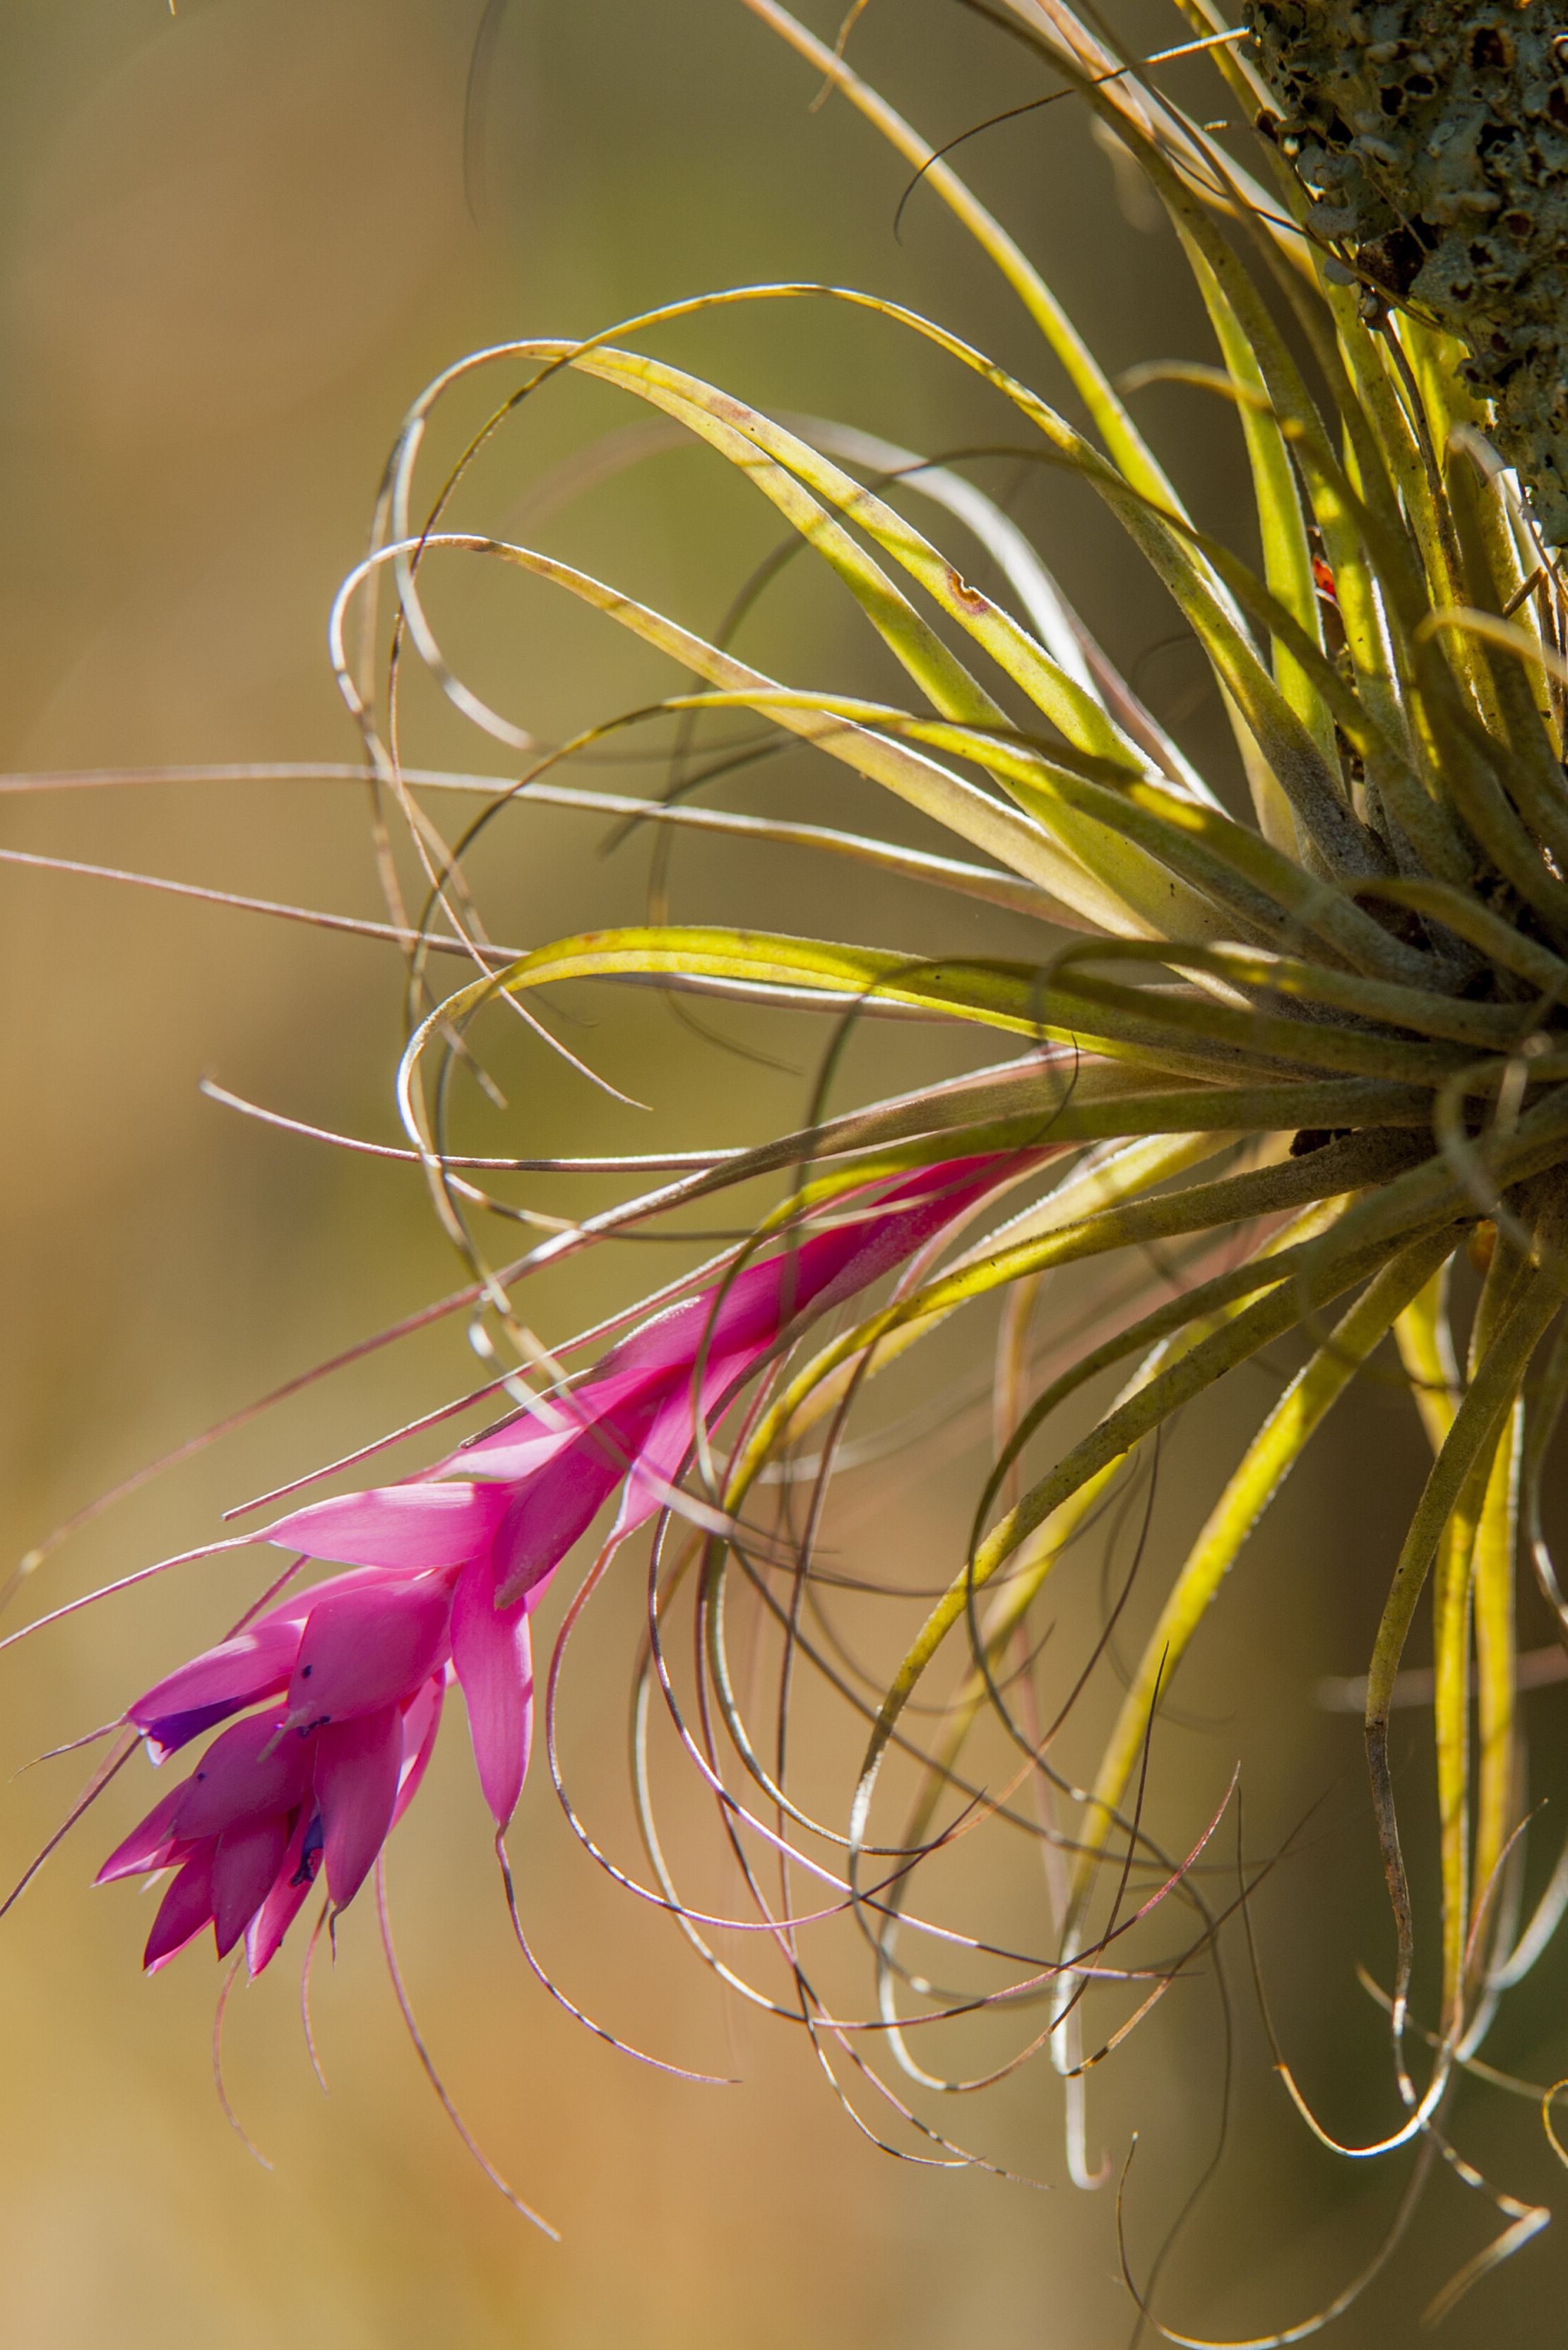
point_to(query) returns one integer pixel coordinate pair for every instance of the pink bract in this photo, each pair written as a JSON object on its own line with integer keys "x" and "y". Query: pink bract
{"x": 443, "y": 1573}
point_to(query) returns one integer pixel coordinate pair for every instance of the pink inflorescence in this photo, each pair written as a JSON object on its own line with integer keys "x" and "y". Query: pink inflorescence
{"x": 340, "y": 1687}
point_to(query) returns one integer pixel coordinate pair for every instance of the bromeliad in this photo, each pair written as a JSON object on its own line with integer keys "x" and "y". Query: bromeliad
{"x": 1296, "y": 1033}
{"x": 349, "y": 1675}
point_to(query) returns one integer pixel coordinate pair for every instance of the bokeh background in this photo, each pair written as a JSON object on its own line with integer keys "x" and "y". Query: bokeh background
{"x": 233, "y": 243}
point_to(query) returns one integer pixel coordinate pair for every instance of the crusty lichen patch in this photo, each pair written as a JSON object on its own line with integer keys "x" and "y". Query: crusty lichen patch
{"x": 1433, "y": 138}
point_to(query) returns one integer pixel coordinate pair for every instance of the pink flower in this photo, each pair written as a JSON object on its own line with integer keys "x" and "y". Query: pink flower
{"x": 445, "y": 1570}
{"x": 545, "y": 1475}
{"x": 317, "y": 1781}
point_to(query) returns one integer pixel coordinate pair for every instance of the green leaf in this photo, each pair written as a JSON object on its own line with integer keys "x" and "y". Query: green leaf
{"x": 1263, "y": 1469}
{"x": 1239, "y": 1336}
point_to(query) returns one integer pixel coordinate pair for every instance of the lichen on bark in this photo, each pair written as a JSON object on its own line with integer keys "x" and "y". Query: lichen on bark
{"x": 1433, "y": 139}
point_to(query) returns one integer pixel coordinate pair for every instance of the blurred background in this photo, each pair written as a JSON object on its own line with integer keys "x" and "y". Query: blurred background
{"x": 234, "y": 243}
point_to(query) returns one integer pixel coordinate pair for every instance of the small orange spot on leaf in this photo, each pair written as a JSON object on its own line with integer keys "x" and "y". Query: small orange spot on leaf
{"x": 969, "y": 597}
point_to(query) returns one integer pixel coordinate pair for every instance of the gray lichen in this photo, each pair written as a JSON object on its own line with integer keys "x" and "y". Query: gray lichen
{"x": 1434, "y": 139}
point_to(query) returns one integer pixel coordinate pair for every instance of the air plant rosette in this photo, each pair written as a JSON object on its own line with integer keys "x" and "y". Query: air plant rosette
{"x": 1270, "y": 1075}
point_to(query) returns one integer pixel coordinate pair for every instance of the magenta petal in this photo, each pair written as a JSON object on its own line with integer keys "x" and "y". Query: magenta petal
{"x": 885, "y": 1241}
{"x": 357, "y": 1768}
{"x": 524, "y": 1445}
{"x": 297, "y": 1604}
{"x": 248, "y": 1772}
{"x": 247, "y": 1859}
{"x": 416, "y": 1526}
{"x": 152, "y": 1843}
{"x": 761, "y": 1299}
{"x": 547, "y": 1515}
{"x": 182, "y": 1912}
{"x": 493, "y": 1657}
{"x": 256, "y": 1664}
{"x": 662, "y": 1453}
{"x": 422, "y": 1720}
{"x": 369, "y": 1647}
{"x": 518, "y": 1449}
{"x": 295, "y": 1875}
{"x": 743, "y": 1316}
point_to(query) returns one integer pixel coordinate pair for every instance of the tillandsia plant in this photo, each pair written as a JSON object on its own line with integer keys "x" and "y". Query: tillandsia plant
{"x": 1272, "y": 1074}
